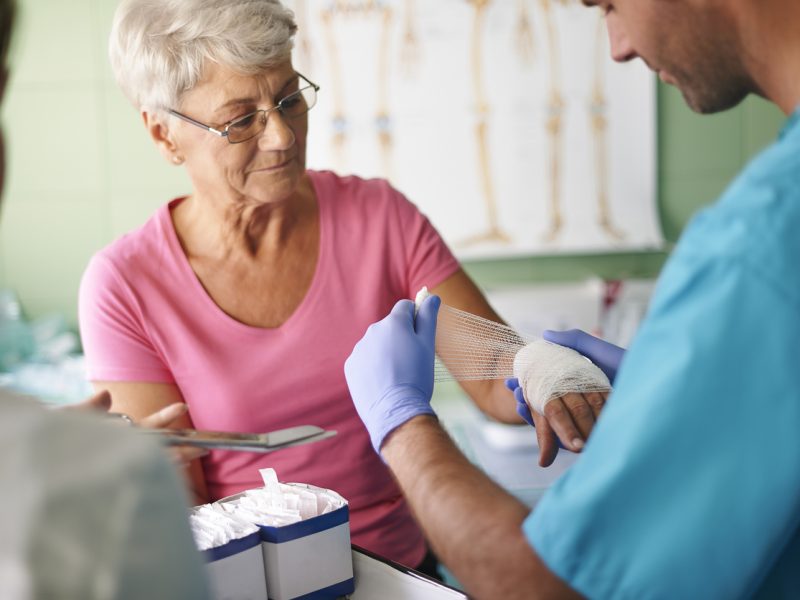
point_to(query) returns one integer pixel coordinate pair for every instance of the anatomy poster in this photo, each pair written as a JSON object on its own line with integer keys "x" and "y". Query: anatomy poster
{"x": 505, "y": 121}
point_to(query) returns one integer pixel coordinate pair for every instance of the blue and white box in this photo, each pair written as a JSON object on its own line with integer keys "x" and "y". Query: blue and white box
{"x": 232, "y": 550}
{"x": 312, "y": 558}
{"x": 305, "y": 538}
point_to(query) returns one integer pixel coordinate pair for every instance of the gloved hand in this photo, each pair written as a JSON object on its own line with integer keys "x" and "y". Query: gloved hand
{"x": 390, "y": 371}
{"x": 523, "y": 410}
{"x": 605, "y": 355}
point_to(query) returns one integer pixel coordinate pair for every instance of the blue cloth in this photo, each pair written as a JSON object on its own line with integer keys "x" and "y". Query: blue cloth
{"x": 690, "y": 484}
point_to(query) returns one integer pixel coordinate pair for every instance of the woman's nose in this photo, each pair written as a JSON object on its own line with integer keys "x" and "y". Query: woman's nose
{"x": 277, "y": 134}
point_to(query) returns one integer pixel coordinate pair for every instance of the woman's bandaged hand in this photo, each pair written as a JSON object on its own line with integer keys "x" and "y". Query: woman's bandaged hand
{"x": 565, "y": 391}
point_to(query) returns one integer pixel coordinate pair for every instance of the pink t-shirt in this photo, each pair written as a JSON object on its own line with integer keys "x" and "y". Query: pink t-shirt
{"x": 144, "y": 316}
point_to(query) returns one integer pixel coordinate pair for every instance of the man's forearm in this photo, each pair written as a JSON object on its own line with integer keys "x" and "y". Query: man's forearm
{"x": 473, "y": 525}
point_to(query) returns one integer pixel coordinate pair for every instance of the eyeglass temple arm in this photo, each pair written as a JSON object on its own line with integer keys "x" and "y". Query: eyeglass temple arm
{"x": 307, "y": 80}
{"x": 198, "y": 123}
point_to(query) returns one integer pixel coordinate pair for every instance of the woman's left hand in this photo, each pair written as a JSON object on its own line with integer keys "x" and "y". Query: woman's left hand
{"x": 161, "y": 419}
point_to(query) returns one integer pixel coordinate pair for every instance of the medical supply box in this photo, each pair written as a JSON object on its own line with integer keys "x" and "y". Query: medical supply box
{"x": 310, "y": 558}
{"x": 236, "y": 569}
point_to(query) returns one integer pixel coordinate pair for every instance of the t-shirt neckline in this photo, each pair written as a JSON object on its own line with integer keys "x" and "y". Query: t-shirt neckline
{"x": 208, "y": 302}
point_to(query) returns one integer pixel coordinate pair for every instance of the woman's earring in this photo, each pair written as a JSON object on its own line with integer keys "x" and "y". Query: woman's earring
{"x": 177, "y": 160}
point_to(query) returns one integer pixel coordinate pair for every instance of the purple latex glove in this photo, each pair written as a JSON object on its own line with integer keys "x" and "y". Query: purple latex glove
{"x": 390, "y": 371}
{"x": 523, "y": 410}
{"x": 605, "y": 355}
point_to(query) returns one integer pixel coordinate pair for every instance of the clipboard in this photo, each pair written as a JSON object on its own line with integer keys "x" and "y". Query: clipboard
{"x": 379, "y": 577}
{"x": 243, "y": 442}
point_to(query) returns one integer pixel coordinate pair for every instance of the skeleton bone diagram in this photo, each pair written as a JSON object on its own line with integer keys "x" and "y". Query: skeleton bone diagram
{"x": 503, "y": 120}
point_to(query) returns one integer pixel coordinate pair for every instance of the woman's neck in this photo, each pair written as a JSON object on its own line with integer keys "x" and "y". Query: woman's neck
{"x": 224, "y": 228}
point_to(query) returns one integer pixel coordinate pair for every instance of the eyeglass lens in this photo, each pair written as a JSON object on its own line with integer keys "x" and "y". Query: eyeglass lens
{"x": 294, "y": 105}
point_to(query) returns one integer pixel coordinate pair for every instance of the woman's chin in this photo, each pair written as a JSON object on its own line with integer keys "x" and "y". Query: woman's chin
{"x": 271, "y": 186}
{"x": 274, "y": 195}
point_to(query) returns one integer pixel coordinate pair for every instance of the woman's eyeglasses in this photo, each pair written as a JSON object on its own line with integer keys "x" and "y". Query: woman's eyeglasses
{"x": 252, "y": 124}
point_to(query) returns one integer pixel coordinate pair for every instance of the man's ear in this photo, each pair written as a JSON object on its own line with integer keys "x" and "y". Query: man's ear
{"x": 159, "y": 130}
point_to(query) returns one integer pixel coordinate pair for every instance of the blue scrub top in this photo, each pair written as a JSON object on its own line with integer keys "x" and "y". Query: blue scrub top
{"x": 689, "y": 486}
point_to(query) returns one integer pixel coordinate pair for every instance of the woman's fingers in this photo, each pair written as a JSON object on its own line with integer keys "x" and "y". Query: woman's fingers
{"x": 548, "y": 445}
{"x": 581, "y": 412}
{"x": 161, "y": 419}
{"x": 183, "y": 455}
{"x": 101, "y": 402}
{"x": 561, "y": 421}
{"x": 164, "y": 417}
{"x": 597, "y": 400}
{"x": 573, "y": 417}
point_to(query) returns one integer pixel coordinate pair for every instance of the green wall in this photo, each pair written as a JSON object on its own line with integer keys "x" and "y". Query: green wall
{"x": 82, "y": 170}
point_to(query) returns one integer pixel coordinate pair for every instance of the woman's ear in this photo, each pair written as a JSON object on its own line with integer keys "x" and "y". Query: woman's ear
{"x": 159, "y": 130}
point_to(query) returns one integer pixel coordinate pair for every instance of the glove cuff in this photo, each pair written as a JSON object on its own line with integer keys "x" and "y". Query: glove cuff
{"x": 399, "y": 404}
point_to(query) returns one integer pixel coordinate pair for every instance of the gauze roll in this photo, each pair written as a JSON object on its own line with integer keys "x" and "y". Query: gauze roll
{"x": 547, "y": 371}
{"x": 470, "y": 347}
{"x": 279, "y": 504}
{"x": 212, "y": 527}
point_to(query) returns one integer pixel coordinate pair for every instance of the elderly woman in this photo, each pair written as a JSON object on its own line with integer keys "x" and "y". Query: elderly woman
{"x": 244, "y": 298}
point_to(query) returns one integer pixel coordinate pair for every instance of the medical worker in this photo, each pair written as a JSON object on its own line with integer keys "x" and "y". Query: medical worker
{"x": 689, "y": 486}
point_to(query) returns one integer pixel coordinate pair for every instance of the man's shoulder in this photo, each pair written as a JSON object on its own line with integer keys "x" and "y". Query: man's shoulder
{"x": 777, "y": 166}
{"x": 759, "y": 206}
{"x": 754, "y": 224}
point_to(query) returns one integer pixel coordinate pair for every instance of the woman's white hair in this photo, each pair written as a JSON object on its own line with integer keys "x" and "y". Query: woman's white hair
{"x": 158, "y": 48}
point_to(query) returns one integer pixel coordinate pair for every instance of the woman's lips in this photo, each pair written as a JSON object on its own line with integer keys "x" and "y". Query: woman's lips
{"x": 277, "y": 167}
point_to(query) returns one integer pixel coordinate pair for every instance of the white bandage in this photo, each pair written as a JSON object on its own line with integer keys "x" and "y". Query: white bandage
{"x": 547, "y": 371}
{"x": 420, "y": 298}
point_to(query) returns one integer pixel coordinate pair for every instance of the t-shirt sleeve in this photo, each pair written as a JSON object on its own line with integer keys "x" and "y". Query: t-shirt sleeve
{"x": 688, "y": 487}
{"x": 115, "y": 341}
{"x": 428, "y": 259}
